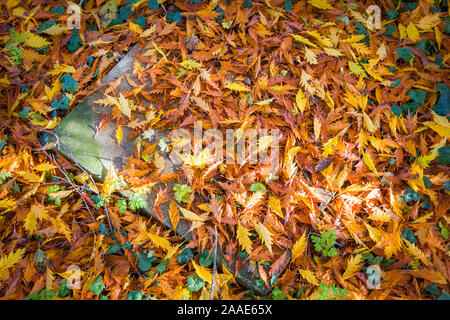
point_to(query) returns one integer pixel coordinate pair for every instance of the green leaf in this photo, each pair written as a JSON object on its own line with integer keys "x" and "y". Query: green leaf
{"x": 59, "y": 9}
{"x": 392, "y": 14}
{"x": 136, "y": 295}
{"x": 64, "y": 290}
{"x": 277, "y": 294}
{"x": 444, "y": 230}
{"x": 432, "y": 289}
{"x": 442, "y": 107}
{"x": 136, "y": 201}
{"x": 75, "y": 42}
{"x": 258, "y": 186}
{"x": 153, "y": 4}
{"x": 405, "y": 54}
{"x": 444, "y": 296}
{"x": 145, "y": 261}
{"x": 162, "y": 266}
{"x": 417, "y": 95}
{"x": 396, "y": 110}
{"x": 182, "y": 192}
{"x": 411, "y": 195}
{"x": 288, "y": 5}
{"x": 427, "y": 182}
{"x": 206, "y": 258}
{"x": 259, "y": 282}
{"x": 444, "y": 155}
{"x": 195, "y": 283}
{"x": 122, "y": 205}
{"x": 97, "y": 286}
{"x": 408, "y": 234}
{"x": 185, "y": 256}
{"x": 173, "y": 16}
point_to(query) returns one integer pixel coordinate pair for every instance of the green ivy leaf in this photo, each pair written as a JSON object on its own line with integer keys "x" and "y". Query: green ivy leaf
{"x": 97, "y": 286}
{"x": 405, "y": 54}
{"x": 206, "y": 258}
{"x": 185, "y": 256}
{"x": 195, "y": 283}
{"x": 444, "y": 155}
{"x": 145, "y": 261}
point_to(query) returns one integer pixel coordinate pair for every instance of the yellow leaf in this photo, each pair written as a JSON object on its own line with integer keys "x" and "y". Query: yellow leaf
{"x": 356, "y": 69}
{"x": 413, "y": 33}
{"x": 236, "y": 87}
{"x": 275, "y": 205}
{"x": 56, "y": 30}
{"x": 119, "y": 134}
{"x": 264, "y": 143}
{"x": 354, "y": 39}
{"x": 202, "y": 272}
{"x": 321, "y": 4}
{"x": 402, "y": 31}
{"x": 424, "y": 161}
{"x": 134, "y": 28}
{"x": 191, "y": 216}
{"x": 369, "y": 163}
{"x": 45, "y": 166}
{"x": 123, "y": 106}
{"x": 309, "y": 276}
{"x": 317, "y": 126}
{"x": 60, "y": 194}
{"x": 438, "y": 36}
{"x": 30, "y": 223}
{"x": 326, "y": 42}
{"x": 373, "y": 233}
{"x": 61, "y": 68}
{"x": 8, "y": 204}
{"x": 265, "y": 235}
{"x": 430, "y": 21}
{"x": 381, "y": 52}
{"x": 70, "y": 273}
{"x": 160, "y": 241}
{"x": 191, "y": 64}
{"x": 29, "y": 177}
{"x": 430, "y": 275}
{"x": 310, "y": 56}
{"x": 12, "y": 3}
{"x": 10, "y": 260}
{"x": 18, "y": 12}
{"x": 416, "y": 252}
{"x": 329, "y": 147}
{"x": 303, "y": 40}
{"x": 368, "y": 124}
{"x": 353, "y": 266}
{"x": 333, "y": 52}
{"x": 243, "y": 238}
{"x": 51, "y": 93}
{"x": 299, "y": 247}
{"x": 379, "y": 215}
{"x": 35, "y": 41}
{"x": 301, "y": 100}
{"x": 174, "y": 214}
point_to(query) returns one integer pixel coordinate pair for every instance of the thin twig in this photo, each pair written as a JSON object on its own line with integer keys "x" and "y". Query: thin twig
{"x": 72, "y": 184}
{"x": 214, "y": 265}
{"x": 96, "y": 189}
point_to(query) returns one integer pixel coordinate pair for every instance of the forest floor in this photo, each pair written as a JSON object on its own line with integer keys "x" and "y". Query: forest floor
{"x": 358, "y": 90}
